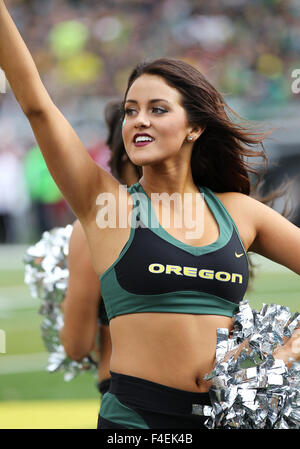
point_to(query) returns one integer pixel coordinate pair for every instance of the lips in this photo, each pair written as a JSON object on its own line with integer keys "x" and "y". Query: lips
{"x": 142, "y": 139}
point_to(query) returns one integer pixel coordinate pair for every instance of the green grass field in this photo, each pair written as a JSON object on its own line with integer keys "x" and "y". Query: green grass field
{"x": 30, "y": 397}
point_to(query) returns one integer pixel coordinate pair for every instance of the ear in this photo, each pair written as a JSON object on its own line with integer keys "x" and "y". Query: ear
{"x": 196, "y": 131}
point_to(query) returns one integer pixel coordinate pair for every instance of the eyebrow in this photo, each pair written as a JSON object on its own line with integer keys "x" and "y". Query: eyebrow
{"x": 151, "y": 101}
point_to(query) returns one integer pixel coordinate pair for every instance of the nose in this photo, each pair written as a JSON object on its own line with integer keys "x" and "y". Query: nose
{"x": 142, "y": 120}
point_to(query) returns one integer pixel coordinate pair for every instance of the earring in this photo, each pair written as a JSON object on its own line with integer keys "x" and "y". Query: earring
{"x": 190, "y": 138}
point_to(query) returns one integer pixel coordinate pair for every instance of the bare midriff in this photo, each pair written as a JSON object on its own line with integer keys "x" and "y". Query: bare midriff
{"x": 171, "y": 349}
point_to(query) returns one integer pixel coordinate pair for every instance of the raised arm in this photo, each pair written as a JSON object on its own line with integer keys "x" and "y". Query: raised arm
{"x": 80, "y": 305}
{"x": 79, "y": 178}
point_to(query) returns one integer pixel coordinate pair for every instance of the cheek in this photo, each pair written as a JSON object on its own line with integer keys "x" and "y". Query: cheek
{"x": 175, "y": 130}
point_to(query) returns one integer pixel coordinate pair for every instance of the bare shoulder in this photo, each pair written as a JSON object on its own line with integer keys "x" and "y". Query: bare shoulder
{"x": 255, "y": 211}
{"x": 237, "y": 199}
{"x": 243, "y": 210}
{"x": 271, "y": 234}
{"x": 249, "y": 208}
{"x": 244, "y": 205}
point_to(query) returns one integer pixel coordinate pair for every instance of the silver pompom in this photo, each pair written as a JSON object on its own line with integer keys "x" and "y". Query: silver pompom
{"x": 47, "y": 275}
{"x": 253, "y": 390}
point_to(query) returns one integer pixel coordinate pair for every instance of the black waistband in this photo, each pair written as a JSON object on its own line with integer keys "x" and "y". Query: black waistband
{"x": 142, "y": 393}
{"x": 103, "y": 386}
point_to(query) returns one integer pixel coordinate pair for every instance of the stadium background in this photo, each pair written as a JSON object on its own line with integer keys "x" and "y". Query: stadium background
{"x": 84, "y": 51}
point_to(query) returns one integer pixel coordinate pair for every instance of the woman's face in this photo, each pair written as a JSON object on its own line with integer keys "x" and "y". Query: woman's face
{"x": 155, "y": 127}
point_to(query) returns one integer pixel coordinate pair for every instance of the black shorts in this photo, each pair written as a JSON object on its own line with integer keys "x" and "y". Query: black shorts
{"x": 134, "y": 403}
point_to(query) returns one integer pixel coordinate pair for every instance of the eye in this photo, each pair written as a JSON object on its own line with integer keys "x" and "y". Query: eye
{"x": 129, "y": 111}
{"x": 158, "y": 110}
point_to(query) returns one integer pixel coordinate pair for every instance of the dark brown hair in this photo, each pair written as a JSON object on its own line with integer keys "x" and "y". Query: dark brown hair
{"x": 113, "y": 117}
{"x": 221, "y": 155}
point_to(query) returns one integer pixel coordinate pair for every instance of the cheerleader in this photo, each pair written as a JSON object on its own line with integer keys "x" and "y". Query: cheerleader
{"x": 167, "y": 285}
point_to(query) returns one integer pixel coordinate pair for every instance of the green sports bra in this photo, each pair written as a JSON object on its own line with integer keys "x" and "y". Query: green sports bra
{"x": 155, "y": 272}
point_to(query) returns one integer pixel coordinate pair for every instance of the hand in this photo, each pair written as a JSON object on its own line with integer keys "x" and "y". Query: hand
{"x": 290, "y": 350}
{"x": 235, "y": 352}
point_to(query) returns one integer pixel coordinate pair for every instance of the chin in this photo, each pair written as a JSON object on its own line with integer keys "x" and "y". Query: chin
{"x": 148, "y": 159}
{"x": 143, "y": 162}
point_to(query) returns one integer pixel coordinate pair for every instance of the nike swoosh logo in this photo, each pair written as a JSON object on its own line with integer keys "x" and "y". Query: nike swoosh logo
{"x": 238, "y": 255}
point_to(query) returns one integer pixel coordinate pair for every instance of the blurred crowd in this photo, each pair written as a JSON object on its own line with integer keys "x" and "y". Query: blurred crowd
{"x": 85, "y": 50}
